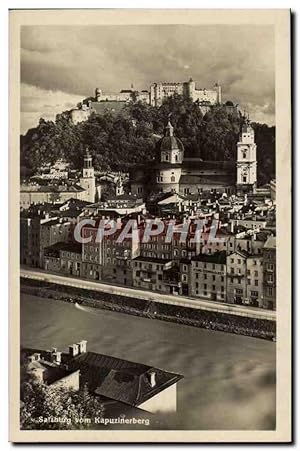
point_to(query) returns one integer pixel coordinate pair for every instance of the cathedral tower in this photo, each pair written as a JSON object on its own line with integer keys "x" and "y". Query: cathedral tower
{"x": 246, "y": 177}
{"x": 170, "y": 153}
{"x": 87, "y": 181}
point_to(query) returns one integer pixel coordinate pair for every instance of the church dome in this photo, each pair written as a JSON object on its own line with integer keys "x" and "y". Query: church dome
{"x": 169, "y": 141}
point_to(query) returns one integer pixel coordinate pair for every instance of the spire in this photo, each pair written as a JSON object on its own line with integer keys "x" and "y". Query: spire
{"x": 169, "y": 129}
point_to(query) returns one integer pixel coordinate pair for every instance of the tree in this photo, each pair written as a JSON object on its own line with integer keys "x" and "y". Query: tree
{"x": 40, "y": 401}
{"x": 120, "y": 141}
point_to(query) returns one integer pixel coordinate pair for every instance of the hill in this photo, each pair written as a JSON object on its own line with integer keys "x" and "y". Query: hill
{"x": 118, "y": 142}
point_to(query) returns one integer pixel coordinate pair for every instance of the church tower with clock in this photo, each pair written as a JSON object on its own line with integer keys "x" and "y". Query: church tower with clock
{"x": 246, "y": 177}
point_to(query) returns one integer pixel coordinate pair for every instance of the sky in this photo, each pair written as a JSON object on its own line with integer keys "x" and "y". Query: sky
{"x": 61, "y": 65}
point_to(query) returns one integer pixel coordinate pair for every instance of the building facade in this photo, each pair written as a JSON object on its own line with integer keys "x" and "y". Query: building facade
{"x": 162, "y": 90}
{"x": 269, "y": 273}
{"x": 172, "y": 172}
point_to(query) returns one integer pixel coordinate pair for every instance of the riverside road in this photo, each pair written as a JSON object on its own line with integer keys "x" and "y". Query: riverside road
{"x": 199, "y": 303}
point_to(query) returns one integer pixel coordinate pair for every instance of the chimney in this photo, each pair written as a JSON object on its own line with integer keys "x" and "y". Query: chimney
{"x": 56, "y": 357}
{"x": 82, "y": 346}
{"x": 152, "y": 375}
{"x": 37, "y": 356}
{"x": 73, "y": 350}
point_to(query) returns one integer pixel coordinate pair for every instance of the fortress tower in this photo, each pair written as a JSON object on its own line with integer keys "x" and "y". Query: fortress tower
{"x": 246, "y": 177}
{"x": 87, "y": 181}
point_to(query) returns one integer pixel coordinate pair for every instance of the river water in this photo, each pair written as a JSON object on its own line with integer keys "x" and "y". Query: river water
{"x": 229, "y": 380}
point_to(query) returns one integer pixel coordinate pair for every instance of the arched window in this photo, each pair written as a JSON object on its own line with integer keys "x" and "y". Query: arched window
{"x": 172, "y": 179}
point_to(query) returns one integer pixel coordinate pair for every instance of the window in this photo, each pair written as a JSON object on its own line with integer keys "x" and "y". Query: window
{"x": 205, "y": 286}
{"x": 222, "y": 288}
{"x": 214, "y": 287}
{"x": 249, "y": 281}
{"x": 172, "y": 179}
{"x": 239, "y": 261}
{"x": 254, "y": 293}
{"x": 205, "y": 276}
{"x": 197, "y": 284}
{"x": 270, "y": 291}
{"x": 214, "y": 278}
{"x": 256, "y": 282}
{"x": 239, "y": 291}
{"x": 244, "y": 179}
{"x": 256, "y": 273}
{"x": 167, "y": 157}
{"x": 270, "y": 266}
{"x": 270, "y": 278}
{"x": 231, "y": 270}
{"x": 184, "y": 268}
{"x": 222, "y": 278}
{"x": 232, "y": 260}
{"x": 197, "y": 275}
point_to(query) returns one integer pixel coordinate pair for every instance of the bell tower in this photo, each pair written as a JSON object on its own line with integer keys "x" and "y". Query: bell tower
{"x": 87, "y": 181}
{"x": 246, "y": 177}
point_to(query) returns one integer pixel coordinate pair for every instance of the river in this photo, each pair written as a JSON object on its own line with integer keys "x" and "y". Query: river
{"x": 229, "y": 380}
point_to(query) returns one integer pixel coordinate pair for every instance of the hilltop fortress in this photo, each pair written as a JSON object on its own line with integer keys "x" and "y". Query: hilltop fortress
{"x": 158, "y": 92}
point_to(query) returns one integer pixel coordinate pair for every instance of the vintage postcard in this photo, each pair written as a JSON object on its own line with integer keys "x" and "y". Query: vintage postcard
{"x": 150, "y": 196}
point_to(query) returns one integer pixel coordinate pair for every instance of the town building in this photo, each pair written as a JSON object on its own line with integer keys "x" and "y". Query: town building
{"x": 46, "y": 367}
{"x": 269, "y": 273}
{"x": 40, "y": 229}
{"x": 65, "y": 258}
{"x": 208, "y": 276}
{"x": 237, "y": 277}
{"x": 112, "y": 380}
{"x": 61, "y": 191}
{"x": 153, "y": 273}
{"x": 254, "y": 286}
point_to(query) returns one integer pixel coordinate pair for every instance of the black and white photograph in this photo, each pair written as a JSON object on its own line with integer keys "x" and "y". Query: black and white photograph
{"x": 147, "y": 197}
